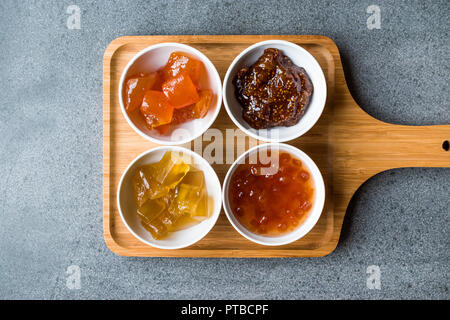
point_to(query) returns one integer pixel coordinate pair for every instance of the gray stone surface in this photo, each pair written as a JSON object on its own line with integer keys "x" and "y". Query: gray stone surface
{"x": 51, "y": 152}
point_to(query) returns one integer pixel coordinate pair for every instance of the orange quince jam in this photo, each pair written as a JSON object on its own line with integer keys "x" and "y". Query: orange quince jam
{"x": 178, "y": 62}
{"x": 180, "y": 91}
{"x": 135, "y": 88}
{"x": 172, "y": 95}
{"x": 155, "y": 109}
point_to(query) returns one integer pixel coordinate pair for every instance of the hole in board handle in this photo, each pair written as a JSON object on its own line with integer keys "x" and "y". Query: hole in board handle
{"x": 446, "y": 145}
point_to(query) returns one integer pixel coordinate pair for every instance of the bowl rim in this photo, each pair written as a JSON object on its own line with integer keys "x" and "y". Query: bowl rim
{"x": 204, "y": 59}
{"x": 215, "y": 215}
{"x": 228, "y": 75}
{"x": 313, "y": 217}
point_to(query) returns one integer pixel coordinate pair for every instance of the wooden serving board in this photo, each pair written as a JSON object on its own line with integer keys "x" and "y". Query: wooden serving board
{"x": 347, "y": 144}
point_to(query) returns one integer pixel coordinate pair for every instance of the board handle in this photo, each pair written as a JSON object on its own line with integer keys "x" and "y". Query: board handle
{"x": 413, "y": 146}
{"x": 374, "y": 146}
{"x": 418, "y": 146}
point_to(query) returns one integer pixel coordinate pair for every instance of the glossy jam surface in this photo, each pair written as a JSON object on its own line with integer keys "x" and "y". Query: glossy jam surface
{"x": 170, "y": 195}
{"x": 135, "y": 88}
{"x": 155, "y": 109}
{"x": 272, "y": 204}
{"x": 180, "y": 91}
{"x": 273, "y": 91}
{"x": 174, "y": 94}
{"x": 195, "y": 111}
{"x": 181, "y": 62}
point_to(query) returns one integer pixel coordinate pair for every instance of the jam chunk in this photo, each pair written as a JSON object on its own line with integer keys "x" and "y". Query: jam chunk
{"x": 184, "y": 114}
{"x": 180, "y": 91}
{"x": 197, "y": 179}
{"x": 174, "y": 223}
{"x": 163, "y": 128}
{"x": 156, "y": 228}
{"x": 135, "y": 88}
{"x": 159, "y": 222}
{"x": 186, "y": 200}
{"x": 170, "y": 169}
{"x": 156, "y": 180}
{"x": 202, "y": 106}
{"x": 156, "y": 109}
{"x": 179, "y": 62}
{"x": 194, "y": 111}
{"x": 151, "y": 209}
{"x": 144, "y": 185}
{"x": 190, "y": 196}
{"x": 149, "y": 214}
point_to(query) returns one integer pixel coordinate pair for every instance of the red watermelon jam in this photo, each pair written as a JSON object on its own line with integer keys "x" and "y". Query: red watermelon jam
{"x": 272, "y": 204}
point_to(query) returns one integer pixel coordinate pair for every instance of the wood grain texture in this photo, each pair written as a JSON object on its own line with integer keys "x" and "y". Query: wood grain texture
{"x": 347, "y": 144}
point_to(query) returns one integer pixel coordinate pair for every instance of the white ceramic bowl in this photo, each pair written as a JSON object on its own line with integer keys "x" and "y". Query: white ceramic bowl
{"x": 150, "y": 60}
{"x": 313, "y": 215}
{"x": 300, "y": 57}
{"x": 178, "y": 239}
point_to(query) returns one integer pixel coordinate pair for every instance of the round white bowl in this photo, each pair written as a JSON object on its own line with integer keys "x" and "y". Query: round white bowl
{"x": 150, "y": 60}
{"x": 175, "y": 240}
{"x": 313, "y": 215}
{"x": 301, "y": 58}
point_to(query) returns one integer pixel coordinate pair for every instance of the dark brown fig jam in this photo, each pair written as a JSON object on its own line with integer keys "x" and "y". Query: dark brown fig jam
{"x": 273, "y": 91}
